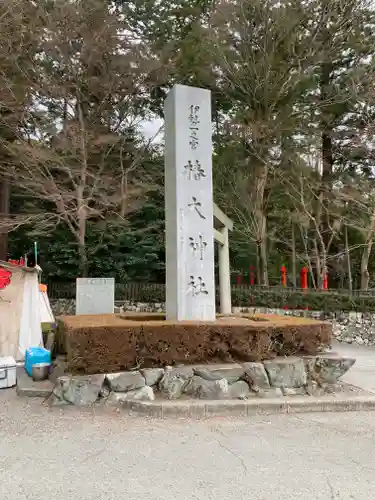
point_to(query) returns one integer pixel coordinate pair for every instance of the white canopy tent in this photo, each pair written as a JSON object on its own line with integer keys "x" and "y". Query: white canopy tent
{"x": 20, "y": 310}
{"x": 46, "y": 314}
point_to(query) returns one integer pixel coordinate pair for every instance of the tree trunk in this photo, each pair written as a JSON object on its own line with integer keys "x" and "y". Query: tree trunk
{"x": 81, "y": 237}
{"x": 309, "y": 255}
{"x": 263, "y": 262}
{"x": 294, "y": 258}
{"x": 258, "y": 274}
{"x": 261, "y": 220}
{"x": 262, "y": 259}
{"x": 263, "y": 251}
{"x": 327, "y": 163}
{"x": 4, "y": 213}
{"x": 83, "y": 262}
{"x": 318, "y": 265}
{"x": 348, "y": 263}
{"x": 365, "y": 275}
{"x": 81, "y": 203}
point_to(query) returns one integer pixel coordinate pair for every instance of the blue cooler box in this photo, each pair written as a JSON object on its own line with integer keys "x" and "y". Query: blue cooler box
{"x": 34, "y": 356}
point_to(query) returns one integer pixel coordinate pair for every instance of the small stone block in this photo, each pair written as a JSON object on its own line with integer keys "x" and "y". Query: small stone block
{"x": 256, "y": 374}
{"x": 329, "y": 369}
{"x": 79, "y": 390}
{"x": 286, "y": 372}
{"x": 145, "y": 393}
{"x": 240, "y": 390}
{"x": 207, "y": 389}
{"x": 173, "y": 384}
{"x": 125, "y": 381}
{"x": 207, "y": 374}
{"x": 232, "y": 374}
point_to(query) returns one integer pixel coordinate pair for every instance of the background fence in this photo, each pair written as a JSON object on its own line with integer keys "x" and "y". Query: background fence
{"x": 242, "y": 295}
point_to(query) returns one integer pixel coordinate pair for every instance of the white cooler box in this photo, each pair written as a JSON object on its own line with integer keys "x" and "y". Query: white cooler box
{"x": 8, "y": 377}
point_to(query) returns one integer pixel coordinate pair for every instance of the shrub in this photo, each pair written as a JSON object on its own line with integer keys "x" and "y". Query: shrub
{"x": 109, "y": 343}
{"x": 242, "y": 296}
{"x": 277, "y": 298}
{"x": 288, "y": 298}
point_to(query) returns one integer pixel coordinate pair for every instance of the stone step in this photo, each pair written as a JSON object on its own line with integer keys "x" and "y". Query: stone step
{"x": 27, "y": 387}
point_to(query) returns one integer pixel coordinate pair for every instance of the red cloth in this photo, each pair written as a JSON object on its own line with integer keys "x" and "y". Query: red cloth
{"x": 5, "y": 277}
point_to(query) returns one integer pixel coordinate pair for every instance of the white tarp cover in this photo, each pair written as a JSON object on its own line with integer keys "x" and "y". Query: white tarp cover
{"x": 46, "y": 314}
{"x": 20, "y": 326}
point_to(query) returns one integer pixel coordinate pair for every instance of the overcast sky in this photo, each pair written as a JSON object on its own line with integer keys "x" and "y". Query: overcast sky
{"x": 151, "y": 128}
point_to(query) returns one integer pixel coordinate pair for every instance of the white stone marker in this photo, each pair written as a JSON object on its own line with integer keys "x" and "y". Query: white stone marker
{"x": 95, "y": 295}
{"x": 190, "y": 280}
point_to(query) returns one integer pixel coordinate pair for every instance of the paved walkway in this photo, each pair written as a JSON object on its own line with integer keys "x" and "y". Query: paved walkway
{"x": 362, "y": 374}
{"x": 81, "y": 455}
{"x": 74, "y": 454}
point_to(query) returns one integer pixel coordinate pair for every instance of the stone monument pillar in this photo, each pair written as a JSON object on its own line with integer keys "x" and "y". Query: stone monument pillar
{"x": 190, "y": 280}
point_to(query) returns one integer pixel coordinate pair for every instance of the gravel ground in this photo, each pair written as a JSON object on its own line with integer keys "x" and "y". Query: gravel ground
{"x": 72, "y": 454}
